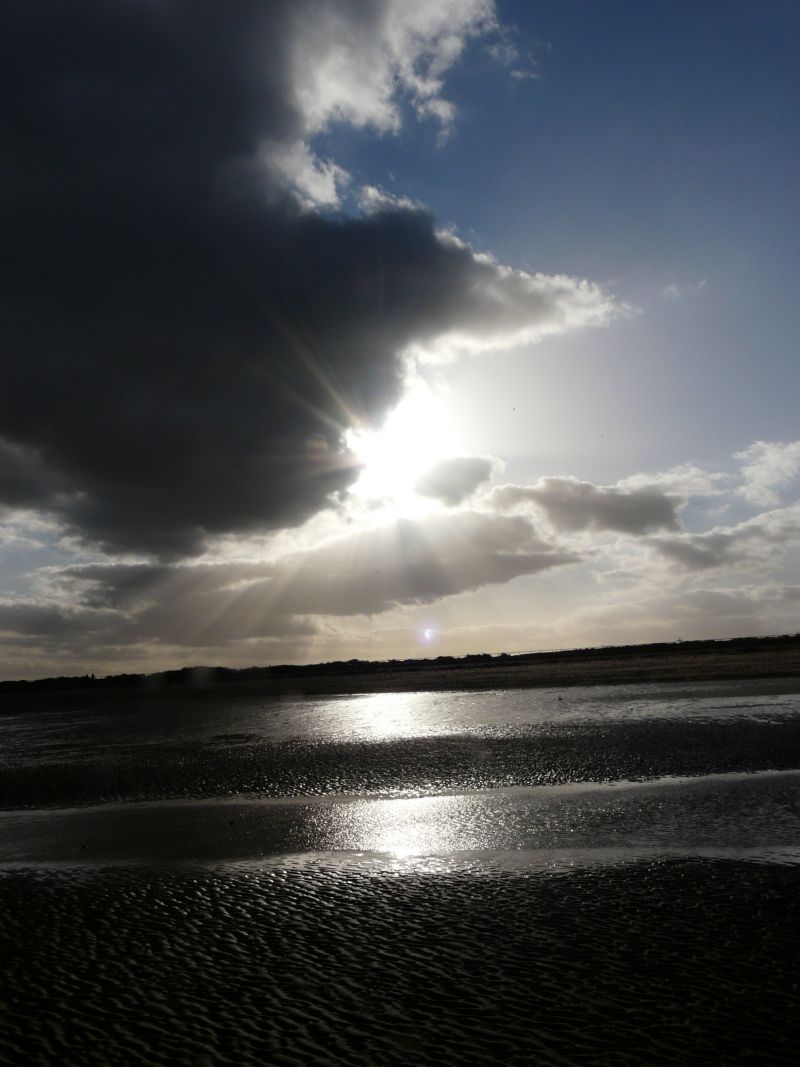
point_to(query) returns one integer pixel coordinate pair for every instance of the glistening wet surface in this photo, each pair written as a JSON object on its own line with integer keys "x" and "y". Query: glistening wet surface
{"x": 730, "y": 815}
{"x": 607, "y": 878}
{"x": 394, "y": 743}
{"x": 121, "y": 726}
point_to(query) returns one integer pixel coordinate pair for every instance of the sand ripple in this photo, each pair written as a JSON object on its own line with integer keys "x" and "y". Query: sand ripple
{"x": 665, "y": 962}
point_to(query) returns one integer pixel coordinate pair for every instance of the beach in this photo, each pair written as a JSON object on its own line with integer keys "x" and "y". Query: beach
{"x": 399, "y": 534}
{"x": 587, "y": 875}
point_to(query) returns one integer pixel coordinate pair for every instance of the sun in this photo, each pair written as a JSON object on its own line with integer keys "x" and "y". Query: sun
{"x": 415, "y": 435}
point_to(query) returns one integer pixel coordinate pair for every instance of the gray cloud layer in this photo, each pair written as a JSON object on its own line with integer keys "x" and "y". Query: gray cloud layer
{"x": 24, "y": 479}
{"x": 311, "y": 603}
{"x": 572, "y": 505}
{"x": 183, "y": 343}
{"x": 452, "y": 480}
{"x": 752, "y": 542}
{"x": 214, "y": 604}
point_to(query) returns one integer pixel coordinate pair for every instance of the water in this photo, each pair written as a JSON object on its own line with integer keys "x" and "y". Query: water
{"x": 396, "y": 744}
{"x": 426, "y": 778}
{"x": 116, "y": 727}
{"x": 754, "y": 816}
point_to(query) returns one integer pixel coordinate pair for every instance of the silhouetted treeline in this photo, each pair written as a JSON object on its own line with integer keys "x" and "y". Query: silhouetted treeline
{"x": 214, "y": 676}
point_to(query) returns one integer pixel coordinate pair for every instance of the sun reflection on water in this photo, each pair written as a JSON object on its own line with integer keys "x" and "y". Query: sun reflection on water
{"x": 405, "y": 828}
{"x": 387, "y": 715}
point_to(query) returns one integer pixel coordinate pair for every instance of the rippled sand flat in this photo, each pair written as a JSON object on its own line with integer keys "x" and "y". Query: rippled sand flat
{"x": 657, "y": 962}
{"x": 610, "y": 877}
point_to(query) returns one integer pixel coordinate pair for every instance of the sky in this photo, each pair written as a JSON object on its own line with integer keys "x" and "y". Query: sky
{"x": 395, "y": 328}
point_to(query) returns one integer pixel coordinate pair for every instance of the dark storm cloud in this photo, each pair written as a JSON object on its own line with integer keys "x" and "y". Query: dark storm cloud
{"x": 25, "y": 481}
{"x": 572, "y": 505}
{"x": 452, "y": 480}
{"x": 182, "y": 344}
{"x": 174, "y": 346}
{"x": 25, "y": 619}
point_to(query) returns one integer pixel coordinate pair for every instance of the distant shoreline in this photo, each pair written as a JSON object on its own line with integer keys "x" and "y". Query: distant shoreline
{"x": 737, "y": 659}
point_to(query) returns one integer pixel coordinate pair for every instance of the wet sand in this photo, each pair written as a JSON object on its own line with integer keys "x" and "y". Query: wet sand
{"x": 728, "y": 815}
{"x": 546, "y": 754}
{"x": 593, "y": 877}
{"x": 670, "y": 961}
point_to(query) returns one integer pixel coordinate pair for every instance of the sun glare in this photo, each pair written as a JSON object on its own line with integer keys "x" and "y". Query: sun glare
{"x": 414, "y": 436}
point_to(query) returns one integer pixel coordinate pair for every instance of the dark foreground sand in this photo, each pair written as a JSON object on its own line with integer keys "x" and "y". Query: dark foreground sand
{"x": 671, "y": 961}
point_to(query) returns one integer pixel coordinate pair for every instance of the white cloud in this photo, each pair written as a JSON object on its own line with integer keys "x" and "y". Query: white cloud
{"x": 505, "y": 49}
{"x": 767, "y": 468}
{"x": 359, "y": 65}
{"x": 753, "y": 543}
{"x": 505, "y": 307}
{"x": 355, "y": 66}
{"x": 673, "y": 291}
{"x": 685, "y": 480}
{"x": 316, "y": 182}
{"x": 372, "y": 199}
